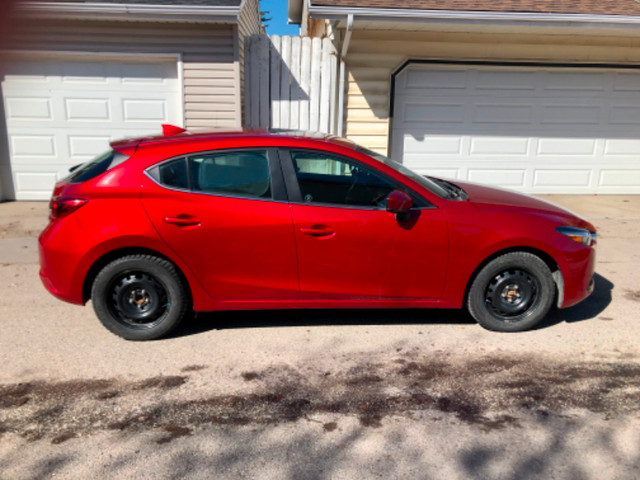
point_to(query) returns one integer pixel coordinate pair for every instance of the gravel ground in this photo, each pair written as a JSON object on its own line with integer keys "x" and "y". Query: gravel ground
{"x": 323, "y": 394}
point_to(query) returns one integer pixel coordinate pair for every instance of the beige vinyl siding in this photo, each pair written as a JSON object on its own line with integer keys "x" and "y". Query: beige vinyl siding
{"x": 374, "y": 54}
{"x": 210, "y": 72}
{"x": 248, "y": 24}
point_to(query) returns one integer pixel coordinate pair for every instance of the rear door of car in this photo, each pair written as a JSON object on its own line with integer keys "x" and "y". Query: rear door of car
{"x": 225, "y": 213}
{"x": 349, "y": 246}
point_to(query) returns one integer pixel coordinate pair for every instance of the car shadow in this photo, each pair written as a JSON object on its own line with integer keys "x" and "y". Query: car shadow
{"x": 203, "y": 322}
{"x": 318, "y": 318}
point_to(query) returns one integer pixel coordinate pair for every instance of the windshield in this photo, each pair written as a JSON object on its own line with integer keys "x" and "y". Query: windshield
{"x": 427, "y": 183}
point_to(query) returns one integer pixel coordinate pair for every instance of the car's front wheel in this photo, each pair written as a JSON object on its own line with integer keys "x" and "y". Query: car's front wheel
{"x": 139, "y": 297}
{"x": 512, "y": 292}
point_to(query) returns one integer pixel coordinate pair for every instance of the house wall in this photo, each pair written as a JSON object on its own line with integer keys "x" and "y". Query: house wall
{"x": 210, "y": 65}
{"x": 374, "y": 54}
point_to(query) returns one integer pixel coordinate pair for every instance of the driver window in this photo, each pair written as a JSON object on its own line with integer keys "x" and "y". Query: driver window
{"x": 336, "y": 180}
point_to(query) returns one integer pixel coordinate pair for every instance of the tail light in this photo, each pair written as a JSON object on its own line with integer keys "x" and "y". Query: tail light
{"x": 61, "y": 207}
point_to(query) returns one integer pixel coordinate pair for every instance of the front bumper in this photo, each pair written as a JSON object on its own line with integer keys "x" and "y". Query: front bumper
{"x": 578, "y": 274}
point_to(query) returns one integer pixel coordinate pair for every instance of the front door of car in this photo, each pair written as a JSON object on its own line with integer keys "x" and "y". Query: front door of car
{"x": 225, "y": 214}
{"x": 349, "y": 246}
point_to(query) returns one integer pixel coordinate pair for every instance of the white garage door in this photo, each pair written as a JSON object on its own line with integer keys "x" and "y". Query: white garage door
{"x": 541, "y": 130}
{"x": 63, "y": 111}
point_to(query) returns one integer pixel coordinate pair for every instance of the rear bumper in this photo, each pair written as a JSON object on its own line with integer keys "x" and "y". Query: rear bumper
{"x": 58, "y": 263}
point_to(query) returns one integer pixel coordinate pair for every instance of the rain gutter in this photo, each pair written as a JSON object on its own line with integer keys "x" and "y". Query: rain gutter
{"x": 132, "y": 11}
{"x": 465, "y": 16}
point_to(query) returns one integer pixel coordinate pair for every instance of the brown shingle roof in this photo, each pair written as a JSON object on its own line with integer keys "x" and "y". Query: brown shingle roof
{"x": 592, "y": 7}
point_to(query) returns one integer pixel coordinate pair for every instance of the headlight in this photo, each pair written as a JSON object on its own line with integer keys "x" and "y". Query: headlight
{"x": 580, "y": 235}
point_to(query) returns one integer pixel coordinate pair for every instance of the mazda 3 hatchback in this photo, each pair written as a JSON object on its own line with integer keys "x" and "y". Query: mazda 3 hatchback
{"x": 157, "y": 228}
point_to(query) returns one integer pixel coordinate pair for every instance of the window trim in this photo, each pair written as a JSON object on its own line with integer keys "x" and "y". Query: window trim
{"x": 295, "y": 194}
{"x": 278, "y": 189}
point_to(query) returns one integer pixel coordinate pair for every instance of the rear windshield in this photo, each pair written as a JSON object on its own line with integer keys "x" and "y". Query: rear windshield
{"x": 95, "y": 167}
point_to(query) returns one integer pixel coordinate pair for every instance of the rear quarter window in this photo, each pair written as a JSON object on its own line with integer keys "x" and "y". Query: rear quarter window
{"x": 95, "y": 167}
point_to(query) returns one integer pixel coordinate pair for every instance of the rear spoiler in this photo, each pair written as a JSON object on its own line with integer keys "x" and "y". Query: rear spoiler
{"x": 128, "y": 146}
{"x": 171, "y": 130}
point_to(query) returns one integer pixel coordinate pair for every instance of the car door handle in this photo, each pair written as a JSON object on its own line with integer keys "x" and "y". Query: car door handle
{"x": 318, "y": 231}
{"x": 183, "y": 221}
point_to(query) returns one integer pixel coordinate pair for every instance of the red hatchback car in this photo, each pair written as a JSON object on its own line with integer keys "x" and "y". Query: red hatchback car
{"x": 158, "y": 227}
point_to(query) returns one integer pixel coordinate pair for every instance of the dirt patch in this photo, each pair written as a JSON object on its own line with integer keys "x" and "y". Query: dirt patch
{"x": 63, "y": 437}
{"x": 174, "y": 431}
{"x": 329, "y": 426}
{"x": 161, "y": 382}
{"x": 193, "y": 368}
{"x": 492, "y": 393}
{"x": 633, "y": 295}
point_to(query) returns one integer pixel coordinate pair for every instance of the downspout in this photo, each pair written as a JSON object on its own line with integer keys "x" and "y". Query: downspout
{"x": 343, "y": 56}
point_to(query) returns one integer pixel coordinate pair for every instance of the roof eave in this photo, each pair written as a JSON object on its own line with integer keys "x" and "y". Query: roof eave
{"x": 120, "y": 11}
{"x": 467, "y": 16}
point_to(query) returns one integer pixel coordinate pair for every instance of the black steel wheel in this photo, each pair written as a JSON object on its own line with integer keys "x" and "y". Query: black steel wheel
{"x": 139, "y": 297}
{"x": 512, "y": 292}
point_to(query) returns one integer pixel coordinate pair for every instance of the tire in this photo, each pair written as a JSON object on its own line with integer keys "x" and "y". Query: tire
{"x": 140, "y": 297}
{"x": 511, "y": 293}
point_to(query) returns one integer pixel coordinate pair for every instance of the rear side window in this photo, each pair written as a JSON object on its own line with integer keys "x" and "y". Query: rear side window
{"x": 241, "y": 173}
{"x": 238, "y": 173}
{"x": 174, "y": 174}
{"x": 96, "y": 167}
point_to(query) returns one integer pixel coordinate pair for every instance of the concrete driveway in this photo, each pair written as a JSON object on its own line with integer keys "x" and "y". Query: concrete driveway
{"x": 324, "y": 394}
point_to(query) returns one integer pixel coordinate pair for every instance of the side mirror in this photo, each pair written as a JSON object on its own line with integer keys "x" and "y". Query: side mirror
{"x": 399, "y": 202}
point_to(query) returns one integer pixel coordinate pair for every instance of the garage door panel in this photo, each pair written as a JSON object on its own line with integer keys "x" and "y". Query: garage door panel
{"x": 83, "y": 147}
{"x": 566, "y": 146}
{"x": 547, "y": 130}
{"x": 35, "y": 185}
{"x": 505, "y": 81}
{"x": 575, "y": 82}
{"x": 435, "y": 111}
{"x": 28, "y": 108}
{"x": 32, "y": 146}
{"x": 146, "y": 75}
{"x": 568, "y": 178}
{"x": 496, "y": 146}
{"x": 570, "y": 114}
{"x": 145, "y": 110}
{"x": 619, "y": 178}
{"x": 87, "y": 110}
{"x": 626, "y": 82}
{"x": 511, "y": 177}
{"x": 433, "y": 144}
{"x": 625, "y": 115}
{"x": 446, "y": 79}
{"x": 505, "y": 114}
{"x": 622, "y": 147}
{"x": 66, "y": 111}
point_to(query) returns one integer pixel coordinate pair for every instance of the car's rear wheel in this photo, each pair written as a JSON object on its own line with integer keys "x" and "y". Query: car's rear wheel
{"x": 139, "y": 297}
{"x": 512, "y": 292}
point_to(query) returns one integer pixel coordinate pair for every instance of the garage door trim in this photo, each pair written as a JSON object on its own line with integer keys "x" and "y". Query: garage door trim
{"x": 173, "y": 61}
{"x": 6, "y": 55}
{"x": 599, "y": 177}
{"x": 481, "y": 63}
